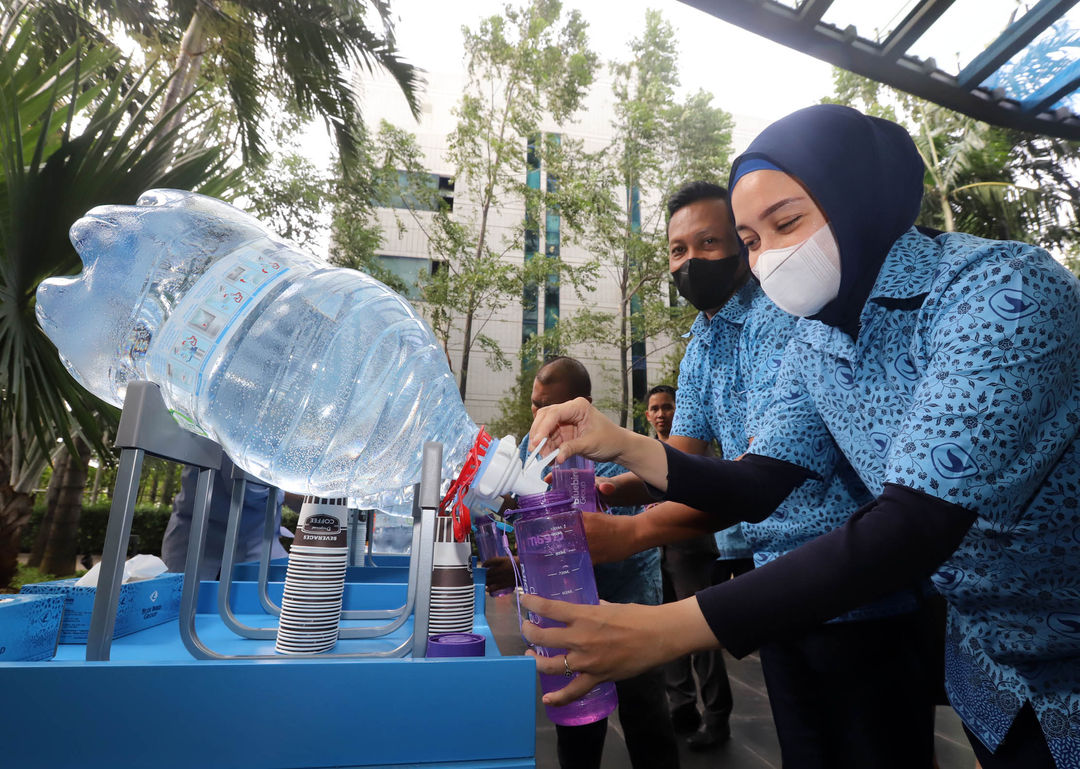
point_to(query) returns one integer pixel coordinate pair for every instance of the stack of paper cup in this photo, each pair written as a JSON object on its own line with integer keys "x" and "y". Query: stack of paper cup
{"x": 451, "y": 582}
{"x": 315, "y": 578}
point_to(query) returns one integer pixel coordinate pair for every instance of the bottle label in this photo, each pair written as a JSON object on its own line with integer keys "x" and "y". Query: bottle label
{"x": 208, "y": 315}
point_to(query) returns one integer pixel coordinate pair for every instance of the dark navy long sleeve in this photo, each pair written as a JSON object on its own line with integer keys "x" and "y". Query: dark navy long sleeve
{"x": 895, "y": 541}
{"x": 753, "y": 486}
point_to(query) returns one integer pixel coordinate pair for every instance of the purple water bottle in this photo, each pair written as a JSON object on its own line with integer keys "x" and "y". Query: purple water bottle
{"x": 576, "y": 476}
{"x": 488, "y": 538}
{"x": 555, "y": 564}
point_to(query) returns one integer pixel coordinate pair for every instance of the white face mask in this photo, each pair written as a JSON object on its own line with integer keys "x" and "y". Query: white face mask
{"x": 803, "y": 278}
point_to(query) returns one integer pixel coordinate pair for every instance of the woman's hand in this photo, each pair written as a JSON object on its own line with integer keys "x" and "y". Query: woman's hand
{"x": 577, "y": 427}
{"x": 612, "y": 641}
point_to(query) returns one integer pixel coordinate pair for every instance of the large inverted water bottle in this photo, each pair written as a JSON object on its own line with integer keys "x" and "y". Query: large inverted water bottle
{"x": 316, "y": 379}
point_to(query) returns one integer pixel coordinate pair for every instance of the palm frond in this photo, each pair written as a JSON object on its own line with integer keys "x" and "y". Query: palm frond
{"x": 51, "y": 173}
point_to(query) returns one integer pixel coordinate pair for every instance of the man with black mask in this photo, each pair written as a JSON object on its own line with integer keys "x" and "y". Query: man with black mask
{"x": 703, "y": 255}
{"x": 827, "y": 693}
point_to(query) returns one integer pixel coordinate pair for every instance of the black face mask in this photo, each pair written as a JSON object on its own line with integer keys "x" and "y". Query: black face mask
{"x": 708, "y": 283}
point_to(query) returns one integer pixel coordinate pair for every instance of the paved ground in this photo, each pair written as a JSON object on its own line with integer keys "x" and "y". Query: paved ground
{"x": 753, "y": 742}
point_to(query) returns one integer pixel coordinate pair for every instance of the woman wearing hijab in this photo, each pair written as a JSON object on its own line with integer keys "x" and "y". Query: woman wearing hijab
{"x": 945, "y": 370}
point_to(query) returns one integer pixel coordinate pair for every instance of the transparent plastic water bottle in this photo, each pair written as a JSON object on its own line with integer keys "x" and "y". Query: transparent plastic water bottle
{"x": 555, "y": 563}
{"x": 316, "y": 379}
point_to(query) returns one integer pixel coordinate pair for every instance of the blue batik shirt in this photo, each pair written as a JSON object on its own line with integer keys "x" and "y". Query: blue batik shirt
{"x": 964, "y": 384}
{"x": 727, "y": 382}
{"x": 635, "y": 579}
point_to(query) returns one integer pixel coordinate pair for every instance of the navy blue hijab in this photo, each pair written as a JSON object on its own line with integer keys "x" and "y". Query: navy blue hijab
{"x": 864, "y": 173}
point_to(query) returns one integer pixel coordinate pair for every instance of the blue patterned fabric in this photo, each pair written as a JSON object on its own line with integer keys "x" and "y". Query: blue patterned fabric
{"x": 634, "y": 580}
{"x": 964, "y": 383}
{"x": 727, "y": 381}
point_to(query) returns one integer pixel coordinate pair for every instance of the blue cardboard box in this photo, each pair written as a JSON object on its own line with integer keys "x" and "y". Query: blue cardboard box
{"x": 143, "y": 604}
{"x": 29, "y": 627}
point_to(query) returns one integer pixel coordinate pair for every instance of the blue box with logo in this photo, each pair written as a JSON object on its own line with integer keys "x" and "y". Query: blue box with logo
{"x": 143, "y": 604}
{"x": 29, "y": 627}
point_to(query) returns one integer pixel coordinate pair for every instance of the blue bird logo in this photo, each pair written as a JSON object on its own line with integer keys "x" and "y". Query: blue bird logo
{"x": 951, "y": 461}
{"x": 845, "y": 377}
{"x": 947, "y": 577}
{"x": 792, "y": 395}
{"x": 905, "y": 367}
{"x": 1064, "y": 622}
{"x": 881, "y": 443}
{"x": 1011, "y": 304}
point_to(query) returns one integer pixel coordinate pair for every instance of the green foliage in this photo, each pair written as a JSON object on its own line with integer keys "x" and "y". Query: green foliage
{"x": 241, "y": 51}
{"x": 76, "y": 130}
{"x": 529, "y": 62}
{"x": 148, "y": 525}
{"x": 515, "y": 408}
{"x": 288, "y": 194}
{"x": 1072, "y": 262}
{"x": 981, "y": 179}
{"x": 70, "y": 138}
{"x": 28, "y": 575}
{"x": 659, "y": 145}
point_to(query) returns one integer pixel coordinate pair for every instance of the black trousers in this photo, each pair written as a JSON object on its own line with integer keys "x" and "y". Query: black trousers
{"x": 852, "y": 694}
{"x": 687, "y": 567}
{"x": 646, "y": 722}
{"x": 1024, "y": 746}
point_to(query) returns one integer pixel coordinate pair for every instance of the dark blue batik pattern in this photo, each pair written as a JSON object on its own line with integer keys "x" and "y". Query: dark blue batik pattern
{"x": 964, "y": 383}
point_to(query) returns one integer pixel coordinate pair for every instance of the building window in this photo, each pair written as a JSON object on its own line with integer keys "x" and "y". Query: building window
{"x": 410, "y": 270}
{"x": 421, "y": 192}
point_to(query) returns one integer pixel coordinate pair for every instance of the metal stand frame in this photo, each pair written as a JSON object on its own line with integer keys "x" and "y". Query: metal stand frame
{"x": 147, "y": 427}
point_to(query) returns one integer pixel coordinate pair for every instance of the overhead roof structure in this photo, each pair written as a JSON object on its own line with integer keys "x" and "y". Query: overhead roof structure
{"x": 1007, "y": 62}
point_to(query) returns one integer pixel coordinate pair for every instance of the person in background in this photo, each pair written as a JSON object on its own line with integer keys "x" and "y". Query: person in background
{"x": 825, "y": 690}
{"x": 944, "y": 369}
{"x": 660, "y": 410}
{"x": 687, "y": 567}
{"x": 174, "y": 544}
{"x": 643, "y": 708}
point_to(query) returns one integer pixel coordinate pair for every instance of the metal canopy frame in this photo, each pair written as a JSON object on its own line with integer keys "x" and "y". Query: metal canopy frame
{"x": 888, "y": 62}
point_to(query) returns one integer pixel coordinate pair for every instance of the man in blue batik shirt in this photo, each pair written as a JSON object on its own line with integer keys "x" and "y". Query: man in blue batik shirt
{"x": 825, "y": 691}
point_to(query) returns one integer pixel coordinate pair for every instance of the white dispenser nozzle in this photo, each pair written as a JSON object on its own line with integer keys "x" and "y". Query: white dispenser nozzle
{"x": 503, "y": 473}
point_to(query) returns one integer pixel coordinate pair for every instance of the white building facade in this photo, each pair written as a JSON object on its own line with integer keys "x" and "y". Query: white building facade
{"x": 406, "y": 251}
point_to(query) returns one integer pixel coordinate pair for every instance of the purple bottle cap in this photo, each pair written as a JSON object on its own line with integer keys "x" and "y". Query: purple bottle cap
{"x": 456, "y": 645}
